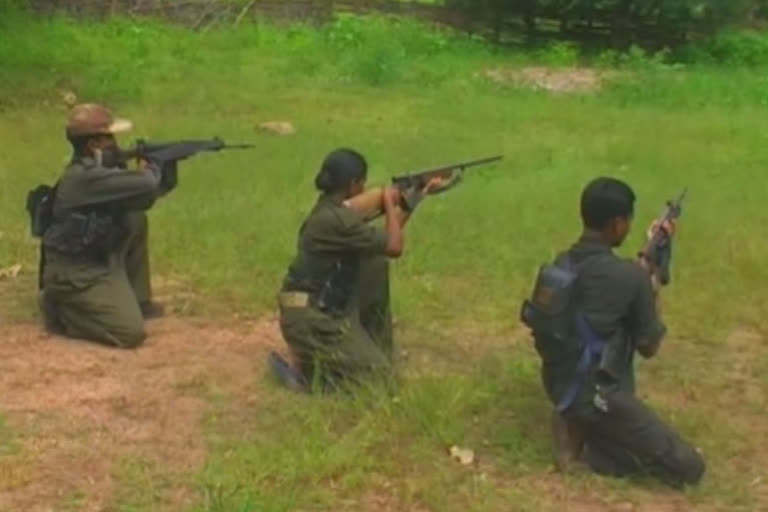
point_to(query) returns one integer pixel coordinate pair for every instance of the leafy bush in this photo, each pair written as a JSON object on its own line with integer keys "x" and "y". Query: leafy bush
{"x": 116, "y": 58}
{"x": 560, "y": 54}
{"x": 748, "y": 48}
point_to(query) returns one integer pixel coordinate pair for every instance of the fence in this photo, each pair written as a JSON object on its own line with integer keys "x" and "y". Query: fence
{"x": 599, "y": 27}
{"x": 198, "y": 13}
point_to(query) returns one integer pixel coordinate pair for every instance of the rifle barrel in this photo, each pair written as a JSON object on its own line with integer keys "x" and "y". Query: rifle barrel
{"x": 462, "y": 166}
{"x": 472, "y": 163}
{"x": 238, "y": 146}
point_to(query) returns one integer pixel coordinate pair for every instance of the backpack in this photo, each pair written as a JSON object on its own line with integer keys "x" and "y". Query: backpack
{"x": 40, "y": 208}
{"x": 562, "y": 334}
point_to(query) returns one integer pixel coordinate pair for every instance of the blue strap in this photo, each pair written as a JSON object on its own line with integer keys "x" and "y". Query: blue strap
{"x": 593, "y": 349}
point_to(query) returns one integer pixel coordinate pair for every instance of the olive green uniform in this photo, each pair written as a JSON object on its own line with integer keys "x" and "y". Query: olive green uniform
{"x": 374, "y": 303}
{"x": 334, "y": 303}
{"x": 622, "y": 435}
{"x": 96, "y": 295}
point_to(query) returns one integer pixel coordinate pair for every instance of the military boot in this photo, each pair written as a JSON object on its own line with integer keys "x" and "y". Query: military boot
{"x": 151, "y": 310}
{"x": 568, "y": 444}
{"x": 50, "y": 314}
{"x": 286, "y": 374}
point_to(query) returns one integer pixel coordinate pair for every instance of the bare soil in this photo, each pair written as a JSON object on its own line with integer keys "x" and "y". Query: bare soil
{"x": 85, "y": 425}
{"x": 80, "y": 413}
{"x": 554, "y": 80}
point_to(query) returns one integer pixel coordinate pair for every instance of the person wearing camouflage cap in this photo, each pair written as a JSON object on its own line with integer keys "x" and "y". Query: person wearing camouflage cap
{"x": 95, "y": 277}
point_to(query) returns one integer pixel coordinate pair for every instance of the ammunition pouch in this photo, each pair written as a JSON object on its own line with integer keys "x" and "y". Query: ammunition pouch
{"x": 92, "y": 235}
{"x": 293, "y": 300}
{"x": 334, "y": 295}
{"x": 329, "y": 293}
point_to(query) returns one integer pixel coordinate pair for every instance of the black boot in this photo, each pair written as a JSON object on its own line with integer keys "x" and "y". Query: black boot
{"x": 150, "y": 310}
{"x": 568, "y": 444}
{"x": 286, "y": 374}
{"x": 51, "y": 319}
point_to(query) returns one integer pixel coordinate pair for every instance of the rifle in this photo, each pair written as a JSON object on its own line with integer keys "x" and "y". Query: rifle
{"x": 369, "y": 203}
{"x": 657, "y": 251}
{"x": 177, "y": 150}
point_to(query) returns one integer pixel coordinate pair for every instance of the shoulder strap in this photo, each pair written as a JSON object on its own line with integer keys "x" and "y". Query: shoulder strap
{"x": 567, "y": 261}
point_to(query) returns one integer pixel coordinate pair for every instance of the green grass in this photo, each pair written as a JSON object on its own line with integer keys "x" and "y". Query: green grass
{"x": 338, "y": 450}
{"x": 408, "y": 98}
{"x": 134, "y": 473}
{"x": 8, "y": 442}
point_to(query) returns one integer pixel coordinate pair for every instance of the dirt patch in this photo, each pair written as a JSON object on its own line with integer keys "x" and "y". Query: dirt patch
{"x": 88, "y": 428}
{"x": 81, "y": 414}
{"x": 554, "y": 80}
{"x": 556, "y": 492}
{"x": 743, "y": 372}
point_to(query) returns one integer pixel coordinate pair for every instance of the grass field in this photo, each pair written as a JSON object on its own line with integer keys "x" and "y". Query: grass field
{"x": 408, "y": 98}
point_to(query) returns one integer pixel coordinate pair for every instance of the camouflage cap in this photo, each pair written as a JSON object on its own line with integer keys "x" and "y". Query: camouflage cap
{"x": 94, "y": 119}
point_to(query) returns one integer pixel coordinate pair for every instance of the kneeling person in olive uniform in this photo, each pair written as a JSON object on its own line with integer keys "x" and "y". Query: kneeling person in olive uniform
{"x": 587, "y": 338}
{"x": 95, "y": 277}
{"x": 334, "y": 303}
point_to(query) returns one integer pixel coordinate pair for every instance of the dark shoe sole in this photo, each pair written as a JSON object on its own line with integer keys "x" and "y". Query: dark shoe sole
{"x": 285, "y": 374}
{"x": 51, "y": 321}
{"x": 568, "y": 445}
{"x": 151, "y": 310}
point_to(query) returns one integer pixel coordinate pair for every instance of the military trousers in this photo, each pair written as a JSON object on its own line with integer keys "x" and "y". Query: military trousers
{"x": 328, "y": 350}
{"x": 373, "y": 299}
{"x": 101, "y": 301}
{"x": 624, "y": 437}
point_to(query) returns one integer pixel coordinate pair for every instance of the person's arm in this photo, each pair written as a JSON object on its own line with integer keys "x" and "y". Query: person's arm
{"x": 645, "y": 320}
{"x": 135, "y": 189}
{"x": 646, "y": 307}
{"x": 354, "y": 232}
{"x": 395, "y": 220}
{"x": 411, "y": 198}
